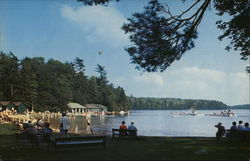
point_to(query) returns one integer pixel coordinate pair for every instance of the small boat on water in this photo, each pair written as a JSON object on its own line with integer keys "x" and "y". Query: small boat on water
{"x": 195, "y": 113}
{"x": 123, "y": 112}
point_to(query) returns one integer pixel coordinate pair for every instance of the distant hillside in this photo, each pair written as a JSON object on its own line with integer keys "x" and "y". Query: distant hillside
{"x": 246, "y": 106}
{"x": 150, "y": 103}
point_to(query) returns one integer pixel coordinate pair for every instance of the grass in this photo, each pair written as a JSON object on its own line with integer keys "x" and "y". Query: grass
{"x": 8, "y": 129}
{"x": 144, "y": 148}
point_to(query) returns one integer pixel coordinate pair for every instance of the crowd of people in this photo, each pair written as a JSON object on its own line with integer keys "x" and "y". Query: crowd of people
{"x": 233, "y": 131}
{"x": 227, "y": 113}
{"x": 4, "y": 115}
{"x": 43, "y": 129}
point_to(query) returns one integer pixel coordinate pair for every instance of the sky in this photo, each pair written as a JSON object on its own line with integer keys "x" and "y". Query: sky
{"x": 64, "y": 30}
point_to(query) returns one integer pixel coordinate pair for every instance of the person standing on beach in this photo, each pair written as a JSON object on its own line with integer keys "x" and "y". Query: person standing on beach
{"x": 220, "y": 132}
{"x": 89, "y": 129}
{"x": 64, "y": 124}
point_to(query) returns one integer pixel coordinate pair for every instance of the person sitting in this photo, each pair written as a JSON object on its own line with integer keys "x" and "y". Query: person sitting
{"x": 240, "y": 126}
{"x": 47, "y": 132}
{"x": 246, "y": 128}
{"x": 132, "y": 127}
{"x": 220, "y": 132}
{"x": 39, "y": 124}
{"x": 244, "y": 133}
{"x": 30, "y": 130}
{"x": 233, "y": 129}
{"x": 30, "y": 123}
{"x": 122, "y": 128}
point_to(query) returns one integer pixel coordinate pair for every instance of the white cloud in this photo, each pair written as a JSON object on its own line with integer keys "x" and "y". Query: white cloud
{"x": 194, "y": 82}
{"x": 101, "y": 24}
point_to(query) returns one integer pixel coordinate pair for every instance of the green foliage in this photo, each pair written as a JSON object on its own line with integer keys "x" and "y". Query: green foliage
{"x": 158, "y": 41}
{"x": 8, "y": 76}
{"x": 51, "y": 85}
{"x": 149, "y": 103}
{"x": 103, "y": 74}
{"x": 8, "y": 129}
{"x": 237, "y": 28}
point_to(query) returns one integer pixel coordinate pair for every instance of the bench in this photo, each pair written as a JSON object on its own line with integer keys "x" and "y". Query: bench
{"x": 26, "y": 139}
{"x": 124, "y": 133}
{"x": 78, "y": 141}
{"x": 238, "y": 135}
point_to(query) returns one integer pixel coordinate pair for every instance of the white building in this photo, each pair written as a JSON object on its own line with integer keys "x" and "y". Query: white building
{"x": 77, "y": 108}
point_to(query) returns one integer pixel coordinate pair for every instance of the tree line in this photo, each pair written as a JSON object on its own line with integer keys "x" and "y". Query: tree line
{"x": 150, "y": 103}
{"x": 245, "y": 106}
{"x": 51, "y": 85}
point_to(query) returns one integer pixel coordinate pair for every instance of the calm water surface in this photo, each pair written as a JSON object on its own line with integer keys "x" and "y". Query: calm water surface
{"x": 158, "y": 122}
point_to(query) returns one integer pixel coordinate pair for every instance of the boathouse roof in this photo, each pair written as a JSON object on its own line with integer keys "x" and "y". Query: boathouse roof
{"x": 75, "y": 105}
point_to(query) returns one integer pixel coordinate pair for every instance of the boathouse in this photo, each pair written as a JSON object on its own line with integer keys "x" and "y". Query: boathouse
{"x": 4, "y": 105}
{"x": 20, "y": 107}
{"x": 76, "y": 107}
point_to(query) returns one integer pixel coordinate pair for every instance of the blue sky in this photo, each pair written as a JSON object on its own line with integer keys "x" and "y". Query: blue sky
{"x": 64, "y": 30}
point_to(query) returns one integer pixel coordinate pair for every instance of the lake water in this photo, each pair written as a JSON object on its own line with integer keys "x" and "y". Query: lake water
{"x": 158, "y": 122}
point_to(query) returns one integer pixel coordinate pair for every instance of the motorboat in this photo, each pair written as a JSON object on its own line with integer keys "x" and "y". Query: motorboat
{"x": 123, "y": 112}
{"x": 195, "y": 113}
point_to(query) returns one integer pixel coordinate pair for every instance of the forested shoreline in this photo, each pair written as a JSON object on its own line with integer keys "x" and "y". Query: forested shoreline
{"x": 245, "y": 106}
{"x": 150, "y": 103}
{"x": 50, "y": 85}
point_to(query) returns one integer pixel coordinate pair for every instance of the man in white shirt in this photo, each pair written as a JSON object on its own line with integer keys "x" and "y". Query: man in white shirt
{"x": 64, "y": 124}
{"x": 132, "y": 127}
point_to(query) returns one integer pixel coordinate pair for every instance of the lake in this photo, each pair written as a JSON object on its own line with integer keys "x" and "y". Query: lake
{"x": 158, "y": 122}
